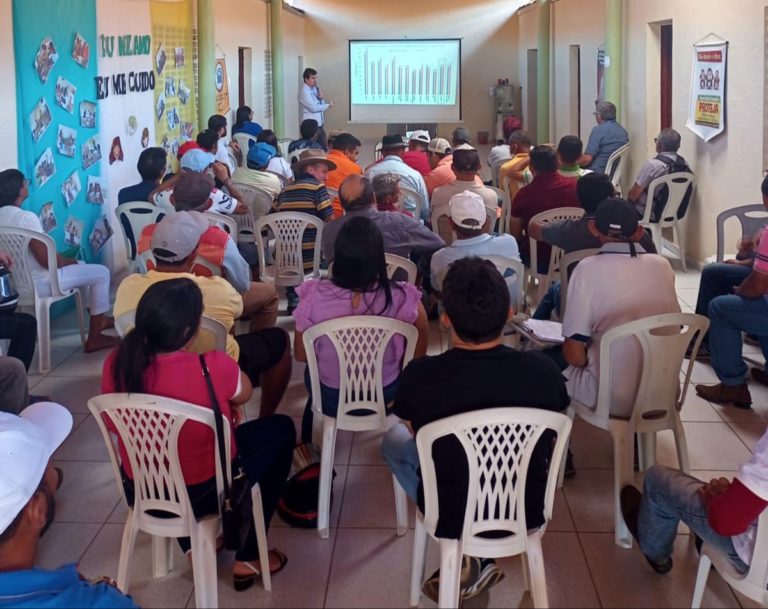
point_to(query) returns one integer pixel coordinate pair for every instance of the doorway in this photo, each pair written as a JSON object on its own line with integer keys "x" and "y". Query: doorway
{"x": 530, "y": 97}
{"x": 574, "y": 89}
{"x": 665, "y": 72}
{"x": 244, "y": 75}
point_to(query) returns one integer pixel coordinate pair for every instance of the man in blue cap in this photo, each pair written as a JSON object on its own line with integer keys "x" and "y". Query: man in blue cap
{"x": 256, "y": 174}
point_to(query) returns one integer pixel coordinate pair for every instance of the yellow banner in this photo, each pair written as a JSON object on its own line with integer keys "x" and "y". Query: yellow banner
{"x": 708, "y": 111}
{"x": 172, "y": 59}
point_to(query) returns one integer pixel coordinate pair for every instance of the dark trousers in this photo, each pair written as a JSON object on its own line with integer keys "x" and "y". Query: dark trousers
{"x": 718, "y": 279}
{"x": 21, "y": 330}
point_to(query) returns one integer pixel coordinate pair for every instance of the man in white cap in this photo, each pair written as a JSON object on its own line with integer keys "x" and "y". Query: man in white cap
{"x": 468, "y": 216}
{"x": 440, "y": 159}
{"x": 416, "y": 155}
{"x": 27, "y": 508}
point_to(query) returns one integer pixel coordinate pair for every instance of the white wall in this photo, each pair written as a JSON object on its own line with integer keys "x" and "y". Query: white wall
{"x": 8, "y": 156}
{"x": 293, "y": 49}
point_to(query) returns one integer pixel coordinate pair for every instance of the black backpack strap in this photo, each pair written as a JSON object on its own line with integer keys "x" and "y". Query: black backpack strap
{"x": 219, "y": 425}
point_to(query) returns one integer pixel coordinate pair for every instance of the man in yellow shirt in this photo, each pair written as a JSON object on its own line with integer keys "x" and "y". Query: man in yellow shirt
{"x": 515, "y": 171}
{"x": 344, "y": 152}
{"x": 264, "y": 355}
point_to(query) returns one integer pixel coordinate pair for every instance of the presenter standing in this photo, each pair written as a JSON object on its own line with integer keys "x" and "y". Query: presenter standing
{"x": 313, "y": 104}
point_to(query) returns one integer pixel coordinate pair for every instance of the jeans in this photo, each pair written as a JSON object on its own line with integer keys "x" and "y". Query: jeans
{"x": 550, "y": 302}
{"x": 718, "y": 279}
{"x": 729, "y": 316}
{"x": 671, "y": 496}
{"x": 21, "y": 330}
{"x": 398, "y": 449}
{"x": 14, "y": 396}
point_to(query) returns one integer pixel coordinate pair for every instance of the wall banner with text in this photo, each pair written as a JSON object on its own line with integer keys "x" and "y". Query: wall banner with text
{"x": 706, "y": 113}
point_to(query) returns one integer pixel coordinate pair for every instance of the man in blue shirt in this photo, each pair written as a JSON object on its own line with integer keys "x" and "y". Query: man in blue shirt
{"x": 605, "y": 139}
{"x": 27, "y": 507}
{"x": 151, "y": 166}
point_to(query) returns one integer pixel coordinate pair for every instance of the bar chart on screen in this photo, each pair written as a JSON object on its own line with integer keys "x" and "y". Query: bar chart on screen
{"x": 406, "y": 72}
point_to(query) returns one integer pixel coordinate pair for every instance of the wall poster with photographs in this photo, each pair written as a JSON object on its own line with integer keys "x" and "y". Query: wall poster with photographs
{"x": 172, "y": 46}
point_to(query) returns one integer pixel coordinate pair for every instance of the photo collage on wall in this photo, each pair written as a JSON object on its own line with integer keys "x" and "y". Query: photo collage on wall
{"x": 73, "y": 119}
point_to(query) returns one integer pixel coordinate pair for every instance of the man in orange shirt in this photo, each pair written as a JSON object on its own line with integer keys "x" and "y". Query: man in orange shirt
{"x": 514, "y": 170}
{"x": 344, "y": 152}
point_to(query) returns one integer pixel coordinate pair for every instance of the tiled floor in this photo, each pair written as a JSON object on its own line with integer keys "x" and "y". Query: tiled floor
{"x": 364, "y": 563}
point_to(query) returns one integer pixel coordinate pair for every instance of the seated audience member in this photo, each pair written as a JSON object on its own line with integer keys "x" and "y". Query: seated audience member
{"x": 91, "y": 279}
{"x": 386, "y": 189}
{"x": 514, "y": 173}
{"x": 440, "y": 159}
{"x": 574, "y": 235}
{"x": 548, "y": 190}
{"x": 14, "y": 389}
{"x": 256, "y": 173}
{"x": 244, "y": 123}
{"x": 622, "y": 283}
{"x": 416, "y": 156}
{"x": 218, "y": 124}
{"x": 186, "y": 147}
{"x": 476, "y": 308}
{"x": 175, "y": 242}
{"x": 208, "y": 140}
{"x": 332, "y": 135}
{"x": 402, "y": 234}
{"x": 460, "y": 136}
{"x": 308, "y": 195}
{"x": 667, "y": 145}
{"x": 465, "y": 167}
{"x": 392, "y": 150}
{"x": 500, "y": 152}
{"x": 153, "y": 359}
{"x": 198, "y": 161}
{"x": 358, "y": 286}
{"x": 345, "y": 149}
{"x": 568, "y": 153}
{"x": 29, "y": 482}
{"x": 746, "y": 310}
{"x": 719, "y": 278}
{"x": 151, "y": 166}
{"x": 309, "y": 131}
{"x": 18, "y": 328}
{"x": 723, "y": 514}
{"x": 468, "y": 216}
{"x": 605, "y": 139}
{"x": 277, "y": 164}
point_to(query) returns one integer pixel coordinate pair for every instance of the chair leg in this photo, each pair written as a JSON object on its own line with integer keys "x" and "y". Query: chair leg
{"x": 646, "y": 447}
{"x": 682, "y": 446}
{"x": 536, "y": 570}
{"x": 561, "y": 474}
{"x": 450, "y": 573}
{"x": 526, "y": 572}
{"x": 681, "y": 248}
{"x": 401, "y": 508}
{"x": 326, "y": 476}
{"x": 623, "y": 456}
{"x": 261, "y": 537}
{"x": 80, "y": 315}
{"x": 701, "y": 580}
{"x": 419, "y": 560}
{"x": 204, "y": 571}
{"x": 162, "y": 556}
{"x": 126, "y": 552}
{"x": 43, "y": 315}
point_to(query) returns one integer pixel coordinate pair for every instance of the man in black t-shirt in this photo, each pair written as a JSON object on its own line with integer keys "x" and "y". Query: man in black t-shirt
{"x": 478, "y": 372}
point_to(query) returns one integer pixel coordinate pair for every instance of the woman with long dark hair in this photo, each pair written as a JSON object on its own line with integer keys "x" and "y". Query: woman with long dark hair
{"x": 359, "y": 286}
{"x": 244, "y": 123}
{"x": 152, "y": 359}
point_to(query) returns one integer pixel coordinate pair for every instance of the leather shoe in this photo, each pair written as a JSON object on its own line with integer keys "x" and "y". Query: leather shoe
{"x": 630, "y": 499}
{"x": 738, "y": 395}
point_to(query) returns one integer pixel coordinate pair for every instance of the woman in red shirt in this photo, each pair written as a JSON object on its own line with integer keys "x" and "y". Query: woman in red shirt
{"x": 152, "y": 359}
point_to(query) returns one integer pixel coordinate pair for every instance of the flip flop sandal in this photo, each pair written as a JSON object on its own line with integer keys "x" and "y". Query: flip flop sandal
{"x": 243, "y": 582}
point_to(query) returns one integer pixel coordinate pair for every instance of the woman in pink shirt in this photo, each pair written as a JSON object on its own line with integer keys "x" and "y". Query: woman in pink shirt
{"x": 359, "y": 286}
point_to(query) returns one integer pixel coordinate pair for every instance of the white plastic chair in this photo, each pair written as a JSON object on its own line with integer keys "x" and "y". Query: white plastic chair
{"x": 232, "y": 158}
{"x": 498, "y": 443}
{"x": 409, "y": 193}
{"x": 213, "y": 327}
{"x": 16, "y": 241}
{"x": 751, "y": 217}
{"x": 495, "y": 171}
{"x": 545, "y": 280}
{"x": 259, "y": 202}
{"x": 658, "y": 398}
{"x": 377, "y": 155}
{"x": 132, "y": 218}
{"x": 395, "y": 263}
{"x": 149, "y": 428}
{"x": 614, "y": 167}
{"x": 678, "y": 185}
{"x": 752, "y": 584}
{"x": 515, "y": 282}
{"x": 288, "y": 229}
{"x": 225, "y": 223}
{"x": 283, "y": 143}
{"x": 332, "y": 192}
{"x": 567, "y": 262}
{"x": 360, "y": 342}
{"x": 244, "y": 141}
{"x": 503, "y": 197}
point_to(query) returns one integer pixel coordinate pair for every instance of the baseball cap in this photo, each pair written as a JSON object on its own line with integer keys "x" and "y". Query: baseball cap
{"x": 439, "y": 145}
{"x": 617, "y": 218}
{"x": 27, "y": 442}
{"x": 467, "y": 210}
{"x": 192, "y": 190}
{"x": 392, "y": 141}
{"x": 177, "y": 235}
{"x": 197, "y": 160}
{"x": 186, "y": 147}
{"x": 420, "y": 136}
{"x": 260, "y": 154}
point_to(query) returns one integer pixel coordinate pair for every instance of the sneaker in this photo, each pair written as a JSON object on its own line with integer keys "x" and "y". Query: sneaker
{"x": 477, "y": 574}
{"x": 738, "y": 395}
{"x": 630, "y": 509}
{"x": 760, "y": 376}
{"x": 490, "y": 575}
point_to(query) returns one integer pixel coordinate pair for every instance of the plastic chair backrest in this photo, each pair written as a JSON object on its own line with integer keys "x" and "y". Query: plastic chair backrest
{"x": 293, "y": 157}
{"x": 663, "y": 340}
{"x": 16, "y": 241}
{"x": 553, "y": 215}
{"x": 332, "y": 192}
{"x": 678, "y": 185}
{"x": 259, "y": 202}
{"x": 396, "y": 263}
{"x": 498, "y": 443}
{"x": 213, "y": 332}
{"x": 132, "y": 218}
{"x": 614, "y": 167}
{"x": 360, "y": 342}
{"x": 283, "y": 143}
{"x": 244, "y": 141}
{"x": 225, "y": 223}
{"x": 232, "y": 158}
{"x": 567, "y": 264}
{"x": 377, "y": 151}
{"x": 751, "y": 217}
{"x": 149, "y": 427}
{"x": 495, "y": 171}
{"x": 513, "y": 272}
{"x": 288, "y": 229}
{"x": 411, "y": 195}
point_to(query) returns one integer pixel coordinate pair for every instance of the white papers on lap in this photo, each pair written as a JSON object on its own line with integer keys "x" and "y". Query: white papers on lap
{"x": 543, "y": 330}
